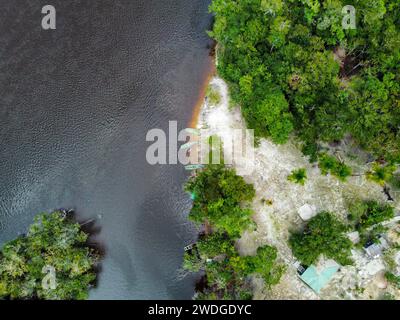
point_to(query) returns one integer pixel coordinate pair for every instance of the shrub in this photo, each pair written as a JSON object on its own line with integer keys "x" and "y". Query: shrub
{"x": 381, "y": 174}
{"x": 392, "y": 278}
{"x": 298, "y": 176}
{"x": 279, "y": 60}
{"x": 365, "y": 214}
{"x": 213, "y": 96}
{"x": 329, "y": 164}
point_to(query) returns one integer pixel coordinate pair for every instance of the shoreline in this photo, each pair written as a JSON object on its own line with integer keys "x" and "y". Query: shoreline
{"x": 209, "y": 75}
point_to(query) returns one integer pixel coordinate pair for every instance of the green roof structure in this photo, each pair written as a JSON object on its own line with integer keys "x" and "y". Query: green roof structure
{"x": 318, "y": 277}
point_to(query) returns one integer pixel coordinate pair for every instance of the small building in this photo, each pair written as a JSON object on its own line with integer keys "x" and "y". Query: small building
{"x": 374, "y": 250}
{"x": 299, "y": 267}
{"x": 307, "y": 212}
{"x": 317, "y": 277}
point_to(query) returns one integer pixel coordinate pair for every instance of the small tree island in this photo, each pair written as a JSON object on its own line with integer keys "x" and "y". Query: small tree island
{"x": 51, "y": 262}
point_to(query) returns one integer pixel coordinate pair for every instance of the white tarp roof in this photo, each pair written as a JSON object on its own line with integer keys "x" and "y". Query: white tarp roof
{"x": 307, "y": 212}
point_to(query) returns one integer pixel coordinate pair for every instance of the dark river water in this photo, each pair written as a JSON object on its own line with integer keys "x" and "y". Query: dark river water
{"x": 75, "y": 106}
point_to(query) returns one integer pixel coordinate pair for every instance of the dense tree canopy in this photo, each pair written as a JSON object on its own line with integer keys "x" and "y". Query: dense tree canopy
{"x": 323, "y": 235}
{"x": 365, "y": 214}
{"x": 220, "y": 196}
{"x": 381, "y": 174}
{"x": 54, "y": 246}
{"x": 293, "y": 68}
{"x": 226, "y": 271}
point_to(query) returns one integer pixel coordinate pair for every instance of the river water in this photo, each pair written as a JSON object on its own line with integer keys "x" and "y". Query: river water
{"x": 75, "y": 106}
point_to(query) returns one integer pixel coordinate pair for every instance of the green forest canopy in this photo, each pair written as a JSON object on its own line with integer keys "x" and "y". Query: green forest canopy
{"x": 324, "y": 235}
{"x": 278, "y": 58}
{"x": 227, "y": 272}
{"x": 54, "y": 242}
{"x": 220, "y": 199}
